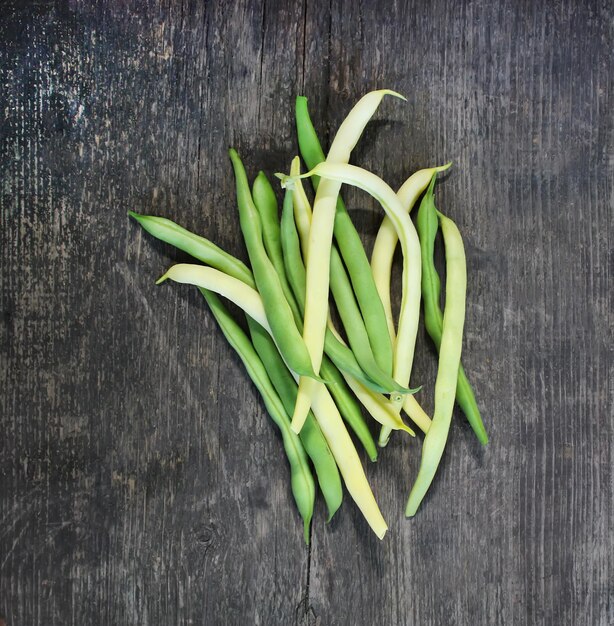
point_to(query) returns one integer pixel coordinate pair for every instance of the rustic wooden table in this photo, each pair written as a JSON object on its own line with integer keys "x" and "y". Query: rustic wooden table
{"x": 141, "y": 479}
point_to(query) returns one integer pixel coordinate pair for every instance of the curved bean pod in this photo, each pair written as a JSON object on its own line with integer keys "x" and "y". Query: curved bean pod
{"x": 214, "y": 280}
{"x": 303, "y": 486}
{"x": 277, "y": 308}
{"x": 381, "y": 266}
{"x": 350, "y": 247}
{"x": 324, "y": 407}
{"x": 387, "y": 238}
{"x": 198, "y": 247}
{"x": 410, "y": 244}
{"x": 311, "y": 436}
{"x": 449, "y": 362}
{"x": 320, "y": 239}
{"x": 433, "y": 317}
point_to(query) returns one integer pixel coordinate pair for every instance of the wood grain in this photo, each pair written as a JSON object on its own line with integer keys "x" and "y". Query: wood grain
{"x": 141, "y": 481}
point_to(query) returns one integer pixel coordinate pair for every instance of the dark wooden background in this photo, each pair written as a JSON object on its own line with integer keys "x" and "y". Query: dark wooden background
{"x": 141, "y": 480}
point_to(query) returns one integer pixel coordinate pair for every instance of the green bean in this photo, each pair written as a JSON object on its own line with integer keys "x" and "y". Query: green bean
{"x": 311, "y": 436}
{"x": 223, "y": 284}
{"x": 348, "y": 407}
{"x": 342, "y": 293}
{"x": 324, "y": 407}
{"x": 379, "y": 407}
{"x": 433, "y": 317}
{"x": 266, "y": 203}
{"x": 295, "y": 270}
{"x": 204, "y": 250}
{"x": 320, "y": 240}
{"x": 351, "y": 249}
{"x": 303, "y": 486}
{"x": 387, "y": 238}
{"x": 449, "y": 362}
{"x": 349, "y": 464}
{"x": 338, "y": 352}
{"x": 277, "y": 309}
{"x": 381, "y": 266}
{"x": 410, "y": 301}
{"x": 354, "y": 326}
{"x": 198, "y": 247}
{"x": 294, "y": 264}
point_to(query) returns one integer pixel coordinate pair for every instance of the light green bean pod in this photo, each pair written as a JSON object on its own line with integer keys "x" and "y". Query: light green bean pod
{"x": 196, "y": 246}
{"x": 433, "y": 316}
{"x": 449, "y": 362}
{"x": 311, "y": 436}
{"x": 350, "y": 247}
{"x": 303, "y": 486}
{"x": 277, "y": 309}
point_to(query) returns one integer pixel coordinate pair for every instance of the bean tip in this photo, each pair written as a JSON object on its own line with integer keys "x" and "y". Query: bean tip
{"x": 409, "y": 431}
{"x": 382, "y": 443}
{"x": 443, "y": 168}
{"x": 162, "y": 279}
{"x": 396, "y": 94}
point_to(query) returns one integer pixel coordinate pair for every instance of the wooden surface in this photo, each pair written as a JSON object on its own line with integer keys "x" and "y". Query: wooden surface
{"x": 141, "y": 480}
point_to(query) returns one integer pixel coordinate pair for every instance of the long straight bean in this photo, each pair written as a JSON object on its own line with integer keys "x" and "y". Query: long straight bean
{"x": 351, "y": 249}
{"x": 449, "y": 362}
{"x": 266, "y": 203}
{"x": 375, "y": 403}
{"x": 295, "y": 271}
{"x": 277, "y": 308}
{"x": 303, "y": 486}
{"x": 433, "y": 317}
{"x": 320, "y": 239}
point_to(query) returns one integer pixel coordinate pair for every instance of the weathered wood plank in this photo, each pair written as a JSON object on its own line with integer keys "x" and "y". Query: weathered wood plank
{"x": 141, "y": 481}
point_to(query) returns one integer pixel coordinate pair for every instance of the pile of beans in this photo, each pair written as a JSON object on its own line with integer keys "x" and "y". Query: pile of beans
{"x": 314, "y": 377}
